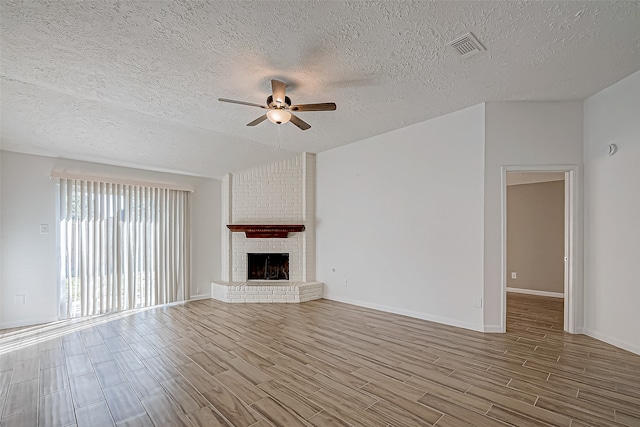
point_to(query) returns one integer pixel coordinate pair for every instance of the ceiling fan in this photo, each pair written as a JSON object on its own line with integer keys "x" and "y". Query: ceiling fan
{"x": 280, "y": 108}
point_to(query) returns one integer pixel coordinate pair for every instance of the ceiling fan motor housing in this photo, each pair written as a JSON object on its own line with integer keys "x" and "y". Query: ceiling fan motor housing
{"x": 272, "y": 104}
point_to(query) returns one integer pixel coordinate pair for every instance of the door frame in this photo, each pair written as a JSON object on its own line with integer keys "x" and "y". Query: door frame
{"x": 571, "y": 233}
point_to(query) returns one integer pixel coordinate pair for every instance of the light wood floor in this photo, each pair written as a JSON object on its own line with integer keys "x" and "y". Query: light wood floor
{"x": 320, "y": 363}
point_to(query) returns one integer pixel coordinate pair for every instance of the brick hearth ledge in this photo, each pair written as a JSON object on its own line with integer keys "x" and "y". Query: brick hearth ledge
{"x": 266, "y": 292}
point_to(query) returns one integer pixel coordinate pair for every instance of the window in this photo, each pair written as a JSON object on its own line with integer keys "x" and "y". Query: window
{"x": 121, "y": 247}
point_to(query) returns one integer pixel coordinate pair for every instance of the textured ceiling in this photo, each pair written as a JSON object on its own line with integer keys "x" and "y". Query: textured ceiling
{"x": 135, "y": 83}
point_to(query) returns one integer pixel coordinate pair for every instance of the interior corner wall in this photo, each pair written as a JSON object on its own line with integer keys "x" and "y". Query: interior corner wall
{"x": 612, "y": 210}
{"x": 400, "y": 220}
{"x": 29, "y": 261}
{"x": 525, "y": 134}
{"x": 535, "y": 237}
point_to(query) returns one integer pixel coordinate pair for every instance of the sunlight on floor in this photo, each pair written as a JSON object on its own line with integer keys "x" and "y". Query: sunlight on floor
{"x": 30, "y": 335}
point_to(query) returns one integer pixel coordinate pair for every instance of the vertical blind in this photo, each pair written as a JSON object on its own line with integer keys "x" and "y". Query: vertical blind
{"x": 121, "y": 247}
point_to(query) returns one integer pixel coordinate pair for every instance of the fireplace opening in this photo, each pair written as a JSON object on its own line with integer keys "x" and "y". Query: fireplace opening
{"x": 268, "y": 267}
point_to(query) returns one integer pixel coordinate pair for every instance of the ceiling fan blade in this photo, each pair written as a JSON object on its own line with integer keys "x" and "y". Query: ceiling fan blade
{"x": 257, "y": 121}
{"x": 250, "y": 104}
{"x": 279, "y": 88}
{"x": 299, "y": 122}
{"x": 326, "y": 106}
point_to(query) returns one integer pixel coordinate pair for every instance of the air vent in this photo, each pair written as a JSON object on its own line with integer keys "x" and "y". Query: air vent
{"x": 467, "y": 45}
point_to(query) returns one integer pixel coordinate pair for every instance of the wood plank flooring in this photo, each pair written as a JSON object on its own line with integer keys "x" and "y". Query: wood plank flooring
{"x": 320, "y": 363}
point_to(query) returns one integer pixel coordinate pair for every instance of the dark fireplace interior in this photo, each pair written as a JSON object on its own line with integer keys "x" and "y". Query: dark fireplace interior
{"x": 268, "y": 267}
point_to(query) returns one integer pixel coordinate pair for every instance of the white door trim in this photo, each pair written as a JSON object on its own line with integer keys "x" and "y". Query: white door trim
{"x": 571, "y": 246}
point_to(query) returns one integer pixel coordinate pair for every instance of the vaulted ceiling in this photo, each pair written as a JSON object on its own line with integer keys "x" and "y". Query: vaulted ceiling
{"x": 135, "y": 83}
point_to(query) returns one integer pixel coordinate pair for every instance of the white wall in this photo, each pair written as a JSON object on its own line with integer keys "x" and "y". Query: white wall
{"x": 205, "y": 236}
{"x": 523, "y": 133}
{"x": 29, "y": 258}
{"x": 29, "y": 265}
{"x": 612, "y": 213}
{"x": 400, "y": 219}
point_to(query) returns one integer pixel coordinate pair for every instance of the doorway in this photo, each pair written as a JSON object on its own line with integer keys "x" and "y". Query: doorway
{"x": 562, "y": 259}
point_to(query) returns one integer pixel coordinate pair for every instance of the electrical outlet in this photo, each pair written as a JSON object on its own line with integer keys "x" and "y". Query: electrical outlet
{"x": 477, "y": 302}
{"x": 344, "y": 282}
{"x": 18, "y": 299}
{"x": 514, "y": 275}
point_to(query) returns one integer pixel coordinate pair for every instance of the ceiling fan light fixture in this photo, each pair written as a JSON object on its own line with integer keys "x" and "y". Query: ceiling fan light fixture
{"x": 278, "y": 116}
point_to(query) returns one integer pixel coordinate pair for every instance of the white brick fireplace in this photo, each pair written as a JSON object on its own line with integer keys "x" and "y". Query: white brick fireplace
{"x": 274, "y": 194}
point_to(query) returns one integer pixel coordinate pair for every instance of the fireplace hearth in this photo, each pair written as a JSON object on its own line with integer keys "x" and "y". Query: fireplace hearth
{"x": 271, "y": 266}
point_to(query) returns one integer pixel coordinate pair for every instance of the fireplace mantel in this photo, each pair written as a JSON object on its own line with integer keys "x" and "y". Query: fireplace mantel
{"x": 254, "y": 231}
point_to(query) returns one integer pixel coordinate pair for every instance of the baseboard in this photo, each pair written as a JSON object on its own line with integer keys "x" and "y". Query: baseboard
{"x": 534, "y": 292}
{"x": 30, "y": 322}
{"x": 613, "y": 341}
{"x": 198, "y": 297}
{"x": 493, "y": 329}
{"x": 409, "y": 313}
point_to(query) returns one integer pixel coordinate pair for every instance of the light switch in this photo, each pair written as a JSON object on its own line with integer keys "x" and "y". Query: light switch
{"x": 514, "y": 275}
